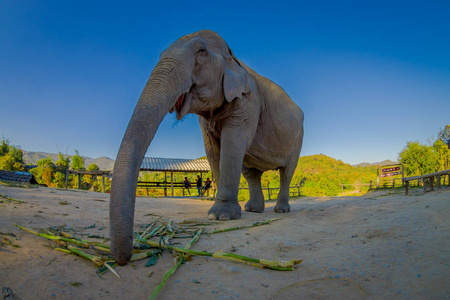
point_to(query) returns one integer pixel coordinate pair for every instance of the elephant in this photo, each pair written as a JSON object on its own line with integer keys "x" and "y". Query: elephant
{"x": 249, "y": 125}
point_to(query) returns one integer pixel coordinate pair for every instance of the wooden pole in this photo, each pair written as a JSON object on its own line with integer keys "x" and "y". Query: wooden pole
{"x": 79, "y": 181}
{"x": 103, "y": 183}
{"x": 403, "y": 174}
{"x": 165, "y": 183}
{"x": 378, "y": 177}
{"x": 67, "y": 177}
{"x": 171, "y": 181}
{"x": 406, "y": 188}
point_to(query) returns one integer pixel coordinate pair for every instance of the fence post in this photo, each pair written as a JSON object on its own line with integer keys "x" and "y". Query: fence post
{"x": 406, "y": 188}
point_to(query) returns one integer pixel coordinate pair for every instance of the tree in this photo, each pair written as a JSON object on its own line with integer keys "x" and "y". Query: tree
{"x": 418, "y": 159}
{"x": 442, "y": 154}
{"x": 77, "y": 162}
{"x": 44, "y": 171}
{"x": 444, "y": 134}
{"x": 4, "y": 149}
{"x": 11, "y": 157}
{"x": 62, "y": 165}
{"x": 93, "y": 167}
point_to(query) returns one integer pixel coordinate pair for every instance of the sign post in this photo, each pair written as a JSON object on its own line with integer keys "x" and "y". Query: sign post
{"x": 388, "y": 171}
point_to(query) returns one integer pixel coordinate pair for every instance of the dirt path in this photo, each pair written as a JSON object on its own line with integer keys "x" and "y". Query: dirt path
{"x": 377, "y": 246}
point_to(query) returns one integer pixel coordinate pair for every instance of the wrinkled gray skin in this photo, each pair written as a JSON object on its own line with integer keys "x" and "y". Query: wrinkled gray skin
{"x": 249, "y": 125}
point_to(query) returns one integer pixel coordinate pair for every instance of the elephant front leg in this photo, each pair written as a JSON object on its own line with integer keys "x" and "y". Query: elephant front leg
{"x": 253, "y": 177}
{"x": 233, "y": 144}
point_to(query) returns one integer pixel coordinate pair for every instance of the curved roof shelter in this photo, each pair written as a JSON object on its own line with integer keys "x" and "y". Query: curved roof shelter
{"x": 158, "y": 164}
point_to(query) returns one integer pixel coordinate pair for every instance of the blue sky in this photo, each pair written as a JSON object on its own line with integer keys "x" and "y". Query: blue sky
{"x": 369, "y": 75}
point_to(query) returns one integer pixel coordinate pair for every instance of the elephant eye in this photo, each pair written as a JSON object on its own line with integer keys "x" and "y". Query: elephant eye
{"x": 201, "y": 50}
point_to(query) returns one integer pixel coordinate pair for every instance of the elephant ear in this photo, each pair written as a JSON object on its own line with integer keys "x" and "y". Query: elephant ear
{"x": 235, "y": 79}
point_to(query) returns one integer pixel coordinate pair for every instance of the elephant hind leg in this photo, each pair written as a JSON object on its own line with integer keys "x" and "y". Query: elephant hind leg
{"x": 282, "y": 205}
{"x": 253, "y": 177}
{"x": 286, "y": 174}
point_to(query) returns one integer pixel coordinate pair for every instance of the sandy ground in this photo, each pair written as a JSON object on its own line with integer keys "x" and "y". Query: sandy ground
{"x": 382, "y": 245}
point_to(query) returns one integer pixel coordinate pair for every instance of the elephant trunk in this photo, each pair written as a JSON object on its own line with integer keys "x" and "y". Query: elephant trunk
{"x": 168, "y": 83}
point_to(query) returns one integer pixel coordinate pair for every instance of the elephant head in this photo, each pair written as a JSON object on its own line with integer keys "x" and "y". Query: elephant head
{"x": 195, "y": 74}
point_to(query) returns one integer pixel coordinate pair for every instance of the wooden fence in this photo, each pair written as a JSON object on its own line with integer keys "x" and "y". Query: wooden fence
{"x": 294, "y": 191}
{"x": 428, "y": 180}
{"x": 394, "y": 182}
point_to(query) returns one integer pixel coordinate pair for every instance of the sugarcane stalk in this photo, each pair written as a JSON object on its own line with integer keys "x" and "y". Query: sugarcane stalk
{"x": 55, "y": 237}
{"x": 95, "y": 259}
{"x": 99, "y": 245}
{"x": 111, "y": 269}
{"x": 246, "y": 226}
{"x": 180, "y": 250}
{"x": 261, "y": 263}
{"x": 141, "y": 256}
{"x": 154, "y": 232}
{"x": 145, "y": 232}
{"x": 11, "y": 199}
{"x": 178, "y": 262}
{"x": 62, "y": 250}
{"x": 194, "y": 239}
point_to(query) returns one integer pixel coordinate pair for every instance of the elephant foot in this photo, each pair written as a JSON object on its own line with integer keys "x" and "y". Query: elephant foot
{"x": 282, "y": 208}
{"x": 255, "y": 206}
{"x": 224, "y": 211}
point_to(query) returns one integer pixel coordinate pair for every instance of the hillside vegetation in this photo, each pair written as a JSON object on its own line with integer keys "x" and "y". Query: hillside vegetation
{"x": 32, "y": 158}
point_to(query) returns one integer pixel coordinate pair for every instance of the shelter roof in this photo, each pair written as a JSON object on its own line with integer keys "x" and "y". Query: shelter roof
{"x": 174, "y": 164}
{"x": 17, "y": 176}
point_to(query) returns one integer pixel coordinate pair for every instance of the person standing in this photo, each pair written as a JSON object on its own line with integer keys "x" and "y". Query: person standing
{"x": 187, "y": 185}
{"x": 207, "y": 187}
{"x": 199, "y": 185}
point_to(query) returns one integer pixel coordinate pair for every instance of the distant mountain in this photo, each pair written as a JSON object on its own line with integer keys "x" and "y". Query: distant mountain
{"x": 381, "y": 163}
{"x": 104, "y": 163}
